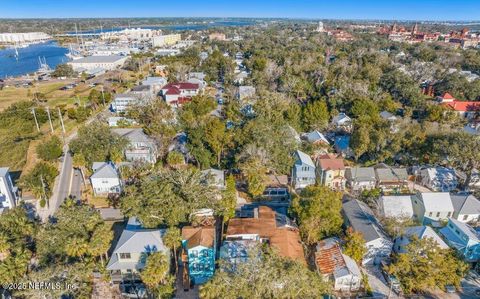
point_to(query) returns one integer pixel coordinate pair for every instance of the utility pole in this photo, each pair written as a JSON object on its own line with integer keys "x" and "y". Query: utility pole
{"x": 61, "y": 120}
{"x": 50, "y": 119}
{"x": 44, "y": 193}
{"x": 36, "y": 121}
{"x": 103, "y": 97}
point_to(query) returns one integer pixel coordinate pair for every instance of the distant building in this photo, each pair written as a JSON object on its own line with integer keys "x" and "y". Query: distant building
{"x": 217, "y": 36}
{"x": 141, "y": 147}
{"x": 342, "y": 122}
{"x": 337, "y": 267}
{"x": 360, "y": 218}
{"x": 105, "y": 179}
{"x": 122, "y": 102}
{"x": 245, "y": 92}
{"x": 466, "y": 207}
{"x": 316, "y": 137}
{"x": 361, "y": 178}
{"x": 216, "y": 176}
{"x": 421, "y": 232}
{"x": 463, "y": 238}
{"x": 177, "y": 94}
{"x": 166, "y": 40}
{"x": 98, "y": 62}
{"x": 303, "y": 171}
{"x": 331, "y": 171}
{"x": 439, "y": 178}
{"x": 156, "y": 83}
{"x": 26, "y": 37}
{"x": 129, "y": 256}
{"x": 8, "y": 192}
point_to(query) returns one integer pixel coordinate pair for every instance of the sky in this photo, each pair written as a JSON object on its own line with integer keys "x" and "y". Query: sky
{"x": 308, "y": 9}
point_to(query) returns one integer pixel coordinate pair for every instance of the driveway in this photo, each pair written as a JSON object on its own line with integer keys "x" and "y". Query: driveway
{"x": 378, "y": 284}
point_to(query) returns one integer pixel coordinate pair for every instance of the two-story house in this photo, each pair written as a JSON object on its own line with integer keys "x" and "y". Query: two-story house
{"x": 361, "y": 178}
{"x": 439, "y": 178}
{"x": 466, "y": 207}
{"x": 391, "y": 178}
{"x": 342, "y": 122}
{"x": 432, "y": 207}
{"x": 303, "y": 171}
{"x": 132, "y": 249}
{"x": 360, "y": 218}
{"x": 122, "y": 102}
{"x": 463, "y": 238}
{"x": 8, "y": 192}
{"x": 420, "y": 232}
{"x": 105, "y": 179}
{"x": 199, "y": 245}
{"x": 331, "y": 171}
{"x": 177, "y": 94}
{"x": 141, "y": 147}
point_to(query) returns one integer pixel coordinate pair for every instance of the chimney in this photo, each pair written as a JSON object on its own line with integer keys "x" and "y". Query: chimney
{"x": 255, "y": 213}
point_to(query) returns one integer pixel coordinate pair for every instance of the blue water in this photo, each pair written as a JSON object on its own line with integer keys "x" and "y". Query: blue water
{"x": 178, "y": 27}
{"x": 28, "y": 58}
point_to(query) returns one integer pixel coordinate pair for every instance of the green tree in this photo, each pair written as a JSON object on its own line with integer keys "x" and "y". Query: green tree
{"x": 217, "y": 137}
{"x": 315, "y": 115}
{"x": 155, "y": 274}
{"x": 40, "y": 179}
{"x": 255, "y": 174}
{"x": 354, "y": 245}
{"x": 50, "y": 149}
{"x": 318, "y": 212}
{"x": 175, "y": 158}
{"x": 173, "y": 240}
{"x": 228, "y": 203}
{"x": 64, "y": 70}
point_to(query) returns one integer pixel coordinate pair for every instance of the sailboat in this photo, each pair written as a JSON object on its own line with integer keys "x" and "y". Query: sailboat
{"x": 43, "y": 66}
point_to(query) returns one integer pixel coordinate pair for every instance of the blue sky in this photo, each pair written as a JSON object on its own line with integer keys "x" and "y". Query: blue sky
{"x": 332, "y": 9}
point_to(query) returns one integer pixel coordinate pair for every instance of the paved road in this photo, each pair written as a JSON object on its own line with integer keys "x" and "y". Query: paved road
{"x": 377, "y": 282}
{"x": 77, "y": 183}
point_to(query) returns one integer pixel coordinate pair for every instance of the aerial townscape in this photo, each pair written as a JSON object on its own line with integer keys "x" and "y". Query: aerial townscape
{"x": 279, "y": 156}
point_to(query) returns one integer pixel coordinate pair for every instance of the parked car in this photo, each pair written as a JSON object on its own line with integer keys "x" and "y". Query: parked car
{"x": 450, "y": 289}
{"x": 391, "y": 280}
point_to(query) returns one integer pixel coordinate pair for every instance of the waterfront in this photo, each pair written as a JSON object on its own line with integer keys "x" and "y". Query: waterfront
{"x": 28, "y": 58}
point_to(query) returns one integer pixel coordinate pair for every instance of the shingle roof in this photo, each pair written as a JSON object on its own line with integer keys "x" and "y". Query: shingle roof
{"x": 425, "y": 232}
{"x": 436, "y": 201}
{"x": 465, "y": 204}
{"x": 391, "y": 174}
{"x": 104, "y": 170}
{"x": 195, "y": 236}
{"x": 330, "y": 162}
{"x": 362, "y": 220}
{"x": 133, "y": 135}
{"x": 305, "y": 159}
{"x": 360, "y": 174}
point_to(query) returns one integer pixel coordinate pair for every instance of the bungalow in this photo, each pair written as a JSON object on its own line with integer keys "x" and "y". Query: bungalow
{"x": 315, "y": 137}
{"x": 361, "y": 178}
{"x": 466, "y": 207}
{"x": 8, "y": 193}
{"x": 331, "y": 171}
{"x": 439, "y": 178}
{"x": 133, "y": 247}
{"x": 420, "y": 232}
{"x": 342, "y": 122}
{"x": 391, "y": 179}
{"x": 432, "y": 207}
{"x": 177, "y": 94}
{"x": 396, "y": 206}
{"x": 269, "y": 227}
{"x": 303, "y": 171}
{"x": 463, "y": 238}
{"x": 337, "y": 267}
{"x": 360, "y": 217}
{"x": 141, "y": 147}
{"x": 105, "y": 179}
{"x": 199, "y": 245}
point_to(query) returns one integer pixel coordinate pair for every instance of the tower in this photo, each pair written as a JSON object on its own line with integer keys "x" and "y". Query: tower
{"x": 320, "y": 27}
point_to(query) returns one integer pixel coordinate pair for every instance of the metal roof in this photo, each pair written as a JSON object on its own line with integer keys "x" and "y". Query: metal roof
{"x": 465, "y": 204}
{"x": 362, "y": 220}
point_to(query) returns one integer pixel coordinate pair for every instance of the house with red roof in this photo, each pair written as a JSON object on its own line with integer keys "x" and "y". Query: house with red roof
{"x": 331, "y": 171}
{"x": 468, "y": 109}
{"x": 177, "y": 94}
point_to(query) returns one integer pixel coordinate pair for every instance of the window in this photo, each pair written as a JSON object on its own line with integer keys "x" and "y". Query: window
{"x": 449, "y": 214}
{"x": 430, "y": 214}
{"x": 124, "y": 256}
{"x": 438, "y": 214}
{"x": 465, "y": 217}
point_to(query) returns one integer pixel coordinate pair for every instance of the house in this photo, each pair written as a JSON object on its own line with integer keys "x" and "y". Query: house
{"x": 342, "y": 122}
{"x": 466, "y": 207}
{"x": 360, "y": 218}
{"x": 155, "y": 83}
{"x": 245, "y": 92}
{"x": 177, "y": 94}
{"x": 216, "y": 177}
{"x": 391, "y": 178}
{"x": 396, "y": 206}
{"x": 315, "y": 137}
{"x": 115, "y": 121}
{"x": 122, "y": 102}
{"x": 432, "y": 207}
{"x": 276, "y": 188}
{"x": 467, "y": 109}
{"x": 388, "y": 116}
{"x": 135, "y": 244}
{"x": 420, "y": 232}
{"x": 199, "y": 245}
{"x": 342, "y": 146}
{"x": 331, "y": 171}
{"x": 109, "y": 62}
{"x": 105, "y": 179}
{"x": 463, "y": 238}
{"x": 8, "y": 192}
{"x": 268, "y": 226}
{"x": 141, "y": 147}
{"x": 337, "y": 267}
{"x": 303, "y": 171}
{"x": 439, "y": 178}
{"x": 361, "y": 178}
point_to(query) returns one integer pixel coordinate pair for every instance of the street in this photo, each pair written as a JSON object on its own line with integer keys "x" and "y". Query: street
{"x": 77, "y": 182}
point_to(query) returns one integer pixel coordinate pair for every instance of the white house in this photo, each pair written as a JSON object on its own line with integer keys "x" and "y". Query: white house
{"x": 134, "y": 245}
{"x": 360, "y": 218}
{"x": 105, "y": 179}
{"x": 110, "y": 62}
{"x": 316, "y": 137}
{"x": 466, "y": 207}
{"x": 303, "y": 171}
{"x": 335, "y": 266}
{"x": 421, "y": 232}
{"x": 342, "y": 122}
{"x": 439, "y": 178}
{"x": 396, "y": 206}
{"x": 8, "y": 193}
{"x": 156, "y": 83}
{"x": 432, "y": 207}
{"x": 177, "y": 94}
{"x": 141, "y": 147}
{"x": 123, "y": 101}
{"x": 361, "y": 178}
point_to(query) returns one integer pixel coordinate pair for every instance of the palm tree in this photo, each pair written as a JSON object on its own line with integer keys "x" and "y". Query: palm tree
{"x": 155, "y": 271}
{"x": 172, "y": 240}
